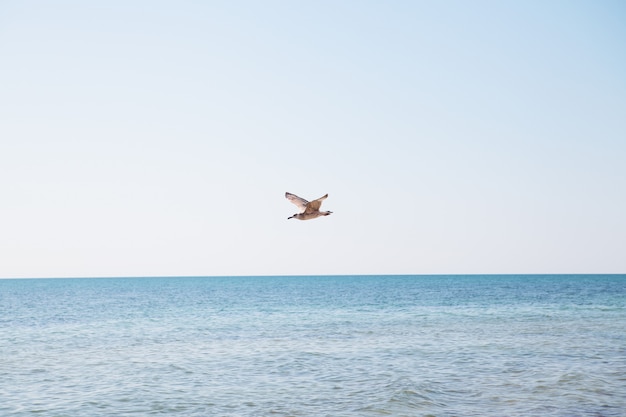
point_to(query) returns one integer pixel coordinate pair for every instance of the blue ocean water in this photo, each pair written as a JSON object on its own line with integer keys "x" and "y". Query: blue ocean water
{"x": 314, "y": 346}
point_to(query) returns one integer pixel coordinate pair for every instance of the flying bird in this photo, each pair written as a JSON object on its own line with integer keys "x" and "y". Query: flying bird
{"x": 309, "y": 209}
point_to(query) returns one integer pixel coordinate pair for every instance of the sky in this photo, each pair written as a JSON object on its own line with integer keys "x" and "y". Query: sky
{"x": 156, "y": 138}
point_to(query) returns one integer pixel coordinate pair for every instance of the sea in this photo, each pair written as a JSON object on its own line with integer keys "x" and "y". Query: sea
{"x": 463, "y": 345}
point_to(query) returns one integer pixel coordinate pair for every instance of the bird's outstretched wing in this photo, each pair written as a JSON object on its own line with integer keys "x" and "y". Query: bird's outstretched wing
{"x": 298, "y": 201}
{"x": 315, "y": 204}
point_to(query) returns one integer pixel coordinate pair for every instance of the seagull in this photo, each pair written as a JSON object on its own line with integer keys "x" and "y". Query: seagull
{"x": 309, "y": 210}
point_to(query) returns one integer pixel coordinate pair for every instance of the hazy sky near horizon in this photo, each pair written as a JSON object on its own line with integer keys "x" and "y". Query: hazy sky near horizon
{"x": 142, "y": 138}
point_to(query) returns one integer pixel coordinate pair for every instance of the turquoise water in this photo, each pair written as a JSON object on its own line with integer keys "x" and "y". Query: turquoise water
{"x": 314, "y": 346}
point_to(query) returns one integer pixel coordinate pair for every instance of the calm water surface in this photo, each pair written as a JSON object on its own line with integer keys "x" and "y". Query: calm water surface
{"x": 314, "y": 346}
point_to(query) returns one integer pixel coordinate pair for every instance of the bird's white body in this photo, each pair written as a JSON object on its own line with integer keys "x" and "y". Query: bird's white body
{"x": 310, "y": 209}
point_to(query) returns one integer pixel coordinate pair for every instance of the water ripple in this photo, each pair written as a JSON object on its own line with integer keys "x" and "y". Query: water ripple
{"x": 361, "y": 346}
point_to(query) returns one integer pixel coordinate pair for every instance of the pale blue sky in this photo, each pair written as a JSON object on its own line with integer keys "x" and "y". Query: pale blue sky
{"x": 143, "y": 138}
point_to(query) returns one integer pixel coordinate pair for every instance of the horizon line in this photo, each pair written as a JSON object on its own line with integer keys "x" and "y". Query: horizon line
{"x": 314, "y": 275}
